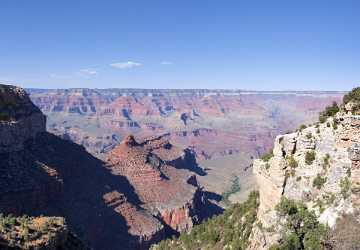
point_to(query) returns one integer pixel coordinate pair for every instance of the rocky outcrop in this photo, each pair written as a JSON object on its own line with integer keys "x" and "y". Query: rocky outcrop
{"x": 142, "y": 194}
{"x": 20, "y": 119}
{"x": 162, "y": 188}
{"x": 37, "y": 233}
{"x": 317, "y": 165}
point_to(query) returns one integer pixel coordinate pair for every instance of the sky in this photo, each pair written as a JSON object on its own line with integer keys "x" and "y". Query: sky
{"x": 254, "y": 45}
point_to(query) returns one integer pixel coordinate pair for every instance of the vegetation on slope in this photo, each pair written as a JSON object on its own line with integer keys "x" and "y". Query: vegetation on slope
{"x": 229, "y": 230}
{"x": 37, "y": 233}
{"x": 234, "y": 188}
{"x": 302, "y": 229}
{"x": 27, "y": 232}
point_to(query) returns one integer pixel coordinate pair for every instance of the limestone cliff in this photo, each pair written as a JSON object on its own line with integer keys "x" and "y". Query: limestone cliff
{"x": 317, "y": 165}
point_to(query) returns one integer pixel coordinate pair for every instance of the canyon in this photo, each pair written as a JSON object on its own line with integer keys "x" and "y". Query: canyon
{"x": 142, "y": 192}
{"x": 224, "y": 129}
{"x": 308, "y": 189}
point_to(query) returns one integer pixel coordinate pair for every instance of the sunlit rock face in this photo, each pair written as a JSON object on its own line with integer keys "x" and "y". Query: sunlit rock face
{"x": 327, "y": 183}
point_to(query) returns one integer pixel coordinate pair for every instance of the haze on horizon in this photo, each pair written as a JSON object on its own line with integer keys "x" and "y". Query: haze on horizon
{"x": 252, "y": 45}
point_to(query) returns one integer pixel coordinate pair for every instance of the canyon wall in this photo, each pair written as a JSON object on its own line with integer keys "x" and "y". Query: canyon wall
{"x": 133, "y": 199}
{"x": 319, "y": 166}
{"x": 214, "y": 123}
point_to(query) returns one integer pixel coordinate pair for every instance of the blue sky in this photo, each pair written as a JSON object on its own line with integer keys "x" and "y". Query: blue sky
{"x": 261, "y": 45}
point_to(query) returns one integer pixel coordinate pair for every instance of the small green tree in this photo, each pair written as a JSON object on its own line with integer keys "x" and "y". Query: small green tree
{"x": 310, "y": 157}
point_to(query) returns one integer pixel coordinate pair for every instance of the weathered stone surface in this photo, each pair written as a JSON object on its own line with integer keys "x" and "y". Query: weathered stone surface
{"x": 163, "y": 189}
{"x": 337, "y": 163}
{"x": 20, "y": 119}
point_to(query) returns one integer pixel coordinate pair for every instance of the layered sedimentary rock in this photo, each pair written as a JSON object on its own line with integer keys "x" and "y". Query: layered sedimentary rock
{"x": 20, "y": 119}
{"x": 128, "y": 202}
{"x": 317, "y": 165}
{"x": 171, "y": 194}
{"x": 238, "y": 121}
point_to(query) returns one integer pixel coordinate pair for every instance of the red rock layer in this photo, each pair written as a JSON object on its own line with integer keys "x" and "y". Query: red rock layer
{"x": 162, "y": 188}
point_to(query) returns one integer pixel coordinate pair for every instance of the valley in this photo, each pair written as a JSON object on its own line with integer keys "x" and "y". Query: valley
{"x": 224, "y": 129}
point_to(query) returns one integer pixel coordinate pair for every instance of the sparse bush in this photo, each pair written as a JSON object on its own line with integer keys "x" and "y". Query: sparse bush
{"x": 345, "y": 186}
{"x": 267, "y": 156}
{"x": 267, "y": 166}
{"x": 335, "y": 125}
{"x": 326, "y": 161}
{"x": 231, "y": 229}
{"x": 292, "y": 162}
{"x": 330, "y": 111}
{"x": 309, "y": 136}
{"x": 234, "y": 188}
{"x": 353, "y": 95}
{"x": 319, "y": 181}
{"x": 302, "y": 127}
{"x": 302, "y": 229}
{"x": 310, "y": 157}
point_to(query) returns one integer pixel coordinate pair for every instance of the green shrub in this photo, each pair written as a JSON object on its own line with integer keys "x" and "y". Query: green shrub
{"x": 234, "y": 188}
{"x": 326, "y": 161}
{"x": 310, "y": 157}
{"x": 267, "y": 156}
{"x": 353, "y": 95}
{"x": 4, "y": 116}
{"x": 345, "y": 186}
{"x": 309, "y": 136}
{"x": 231, "y": 229}
{"x": 335, "y": 125}
{"x": 302, "y": 127}
{"x": 319, "y": 181}
{"x": 302, "y": 229}
{"x": 292, "y": 162}
{"x": 322, "y": 119}
{"x": 330, "y": 111}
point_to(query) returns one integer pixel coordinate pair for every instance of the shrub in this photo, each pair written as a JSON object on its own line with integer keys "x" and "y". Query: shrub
{"x": 292, "y": 162}
{"x": 302, "y": 127}
{"x": 335, "y": 125}
{"x": 267, "y": 165}
{"x": 302, "y": 229}
{"x": 310, "y": 157}
{"x": 345, "y": 186}
{"x": 309, "y": 136}
{"x": 231, "y": 229}
{"x": 234, "y": 188}
{"x": 326, "y": 161}
{"x": 353, "y": 95}
{"x": 267, "y": 156}
{"x": 330, "y": 111}
{"x": 319, "y": 181}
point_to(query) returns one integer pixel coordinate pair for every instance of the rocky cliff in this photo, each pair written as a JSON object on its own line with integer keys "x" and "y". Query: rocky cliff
{"x": 128, "y": 202}
{"x": 317, "y": 166}
{"x": 171, "y": 194}
{"x": 238, "y": 121}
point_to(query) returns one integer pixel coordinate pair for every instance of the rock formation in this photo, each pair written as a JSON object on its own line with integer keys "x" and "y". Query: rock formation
{"x": 317, "y": 165}
{"x": 128, "y": 202}
{"x": 238, "y": 121}
{"x": 172, "y": 195}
